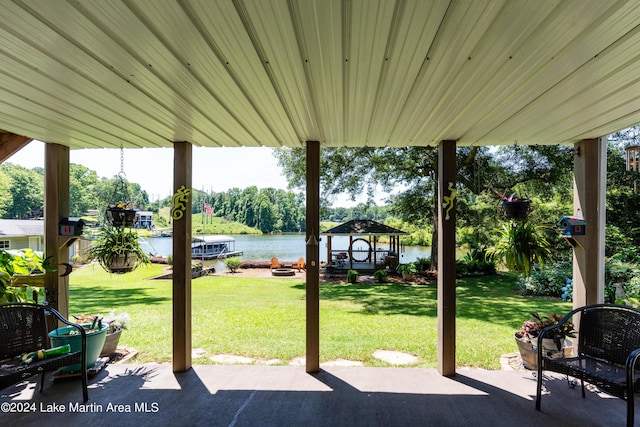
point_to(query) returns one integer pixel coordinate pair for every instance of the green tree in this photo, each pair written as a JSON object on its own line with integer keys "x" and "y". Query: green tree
{"x": 412, "y": 172}
{"x": 623, "y": 221}
{"x": 83, "y": 190}
{"x": 27, "y": 191}
{"x": 6, "y": 200}
{"x": 266, "y": 214}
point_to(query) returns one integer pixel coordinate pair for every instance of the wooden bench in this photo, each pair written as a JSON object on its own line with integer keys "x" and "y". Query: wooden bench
{"x": 23, "y": 329}
{"x": 608, "y": 348}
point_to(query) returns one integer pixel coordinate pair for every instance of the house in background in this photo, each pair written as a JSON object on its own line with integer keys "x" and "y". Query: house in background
{"x": 144, "y": 219}
{"x": 29, "y": 233}
{"x": 22, "y": 234}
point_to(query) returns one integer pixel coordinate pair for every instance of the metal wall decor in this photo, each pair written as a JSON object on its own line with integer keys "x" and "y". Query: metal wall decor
{"x": 179, "y": 202}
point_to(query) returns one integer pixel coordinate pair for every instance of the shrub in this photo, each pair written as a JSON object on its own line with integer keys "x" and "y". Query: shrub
{"x": 631, "y": 293}
{"x": 616, "y": 271}
{"x": 630, "y": 254}
{"x": 521, "y": 245}
{"x": 423, "y": 264}
{"x": 615, "y": 240}
{"x": 232, "y": 263}
{"x": 408, "y": 268}
{"x": 380, "y": 275}
{"x": 632, "y": 289}
{"x": 567, "y": 290}
{"x": 476, "y": 262}
{"x": 352, "y": 276}
{"x": 548, "y": 282}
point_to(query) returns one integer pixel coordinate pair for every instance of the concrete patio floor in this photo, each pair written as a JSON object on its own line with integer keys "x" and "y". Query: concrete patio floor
{"x": 216, "y": 395}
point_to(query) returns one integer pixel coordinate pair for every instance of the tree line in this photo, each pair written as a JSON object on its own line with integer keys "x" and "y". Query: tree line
{"x": 543, "y": 174}
{"x": 22, "y": 191}
{"x": 268, "y": 209}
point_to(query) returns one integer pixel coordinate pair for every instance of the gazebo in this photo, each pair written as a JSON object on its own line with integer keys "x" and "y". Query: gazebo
{"x": 365, "y": 252}
{"x": 314, "y": 74}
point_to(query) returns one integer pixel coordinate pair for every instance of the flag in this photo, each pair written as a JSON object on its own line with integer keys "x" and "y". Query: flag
{"x": 207, "y": 209}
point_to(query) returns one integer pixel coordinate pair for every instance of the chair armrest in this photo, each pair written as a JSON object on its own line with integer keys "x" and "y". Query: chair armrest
{"x": 631, "y": 386}
{"x": 630, "y": 365}
{"x": 564, "y": 320}
{"x": 60, "y": 317}
{"x": 548, "y": 329}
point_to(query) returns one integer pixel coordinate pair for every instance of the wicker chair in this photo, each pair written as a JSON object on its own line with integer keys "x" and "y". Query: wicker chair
{"x": 608, "y": 348}
{"x": 23, "y": 329}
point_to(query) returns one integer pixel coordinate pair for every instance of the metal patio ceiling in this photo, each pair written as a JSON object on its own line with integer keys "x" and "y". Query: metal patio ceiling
{"x": 89, "y": 74}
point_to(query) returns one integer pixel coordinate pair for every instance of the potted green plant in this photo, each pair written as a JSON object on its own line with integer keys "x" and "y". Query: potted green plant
{"x": 117, "y": 250}
{"x": 407, "y": 270}
{"x": 116, "y": 323}
{"x": 556, "y": 344}
{"x": 520, "y": 246}
{"x": 96, "y": 334}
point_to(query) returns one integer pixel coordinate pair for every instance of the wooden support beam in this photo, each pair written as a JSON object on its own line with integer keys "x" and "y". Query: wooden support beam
{"x": 56, "y": 207}
{"x": 447, "y": 258}
{"x": 313, "y": 257}
{"x": 10, "y": 144}
{"x": 589, "y": 196}
{"x": 181, "y": 214}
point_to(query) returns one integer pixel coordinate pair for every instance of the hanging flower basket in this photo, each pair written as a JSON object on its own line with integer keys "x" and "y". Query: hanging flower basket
{"x": 120, "y": 213}
{"x": 517, "y": 209}
{"x": 117, "y": 250}
{"x": 123, "y": 264}
{"x": 120, "y": 217}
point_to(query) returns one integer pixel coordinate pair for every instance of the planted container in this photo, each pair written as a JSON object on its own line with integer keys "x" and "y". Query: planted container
{"x": 95, "y": 342}
{"x": 120, "y": 217}
{"x": 111, "y": 343}
{"x": 517, "y": 209}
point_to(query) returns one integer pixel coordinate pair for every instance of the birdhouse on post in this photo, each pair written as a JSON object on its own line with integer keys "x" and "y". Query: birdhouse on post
{"x": 572, "y": 226}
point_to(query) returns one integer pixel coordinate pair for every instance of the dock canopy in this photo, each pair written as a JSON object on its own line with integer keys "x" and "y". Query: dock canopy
{"x": 213, "y": 247}
{"x": 364, "y": 251}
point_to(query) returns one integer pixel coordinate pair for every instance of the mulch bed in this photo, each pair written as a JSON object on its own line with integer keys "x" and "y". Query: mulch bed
{"x": 266, "y": 264}
{"x": 424, "y": 279}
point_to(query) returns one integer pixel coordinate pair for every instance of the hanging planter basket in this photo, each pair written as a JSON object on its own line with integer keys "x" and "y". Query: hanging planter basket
{"x": 518, "y": 209}
{"x": 123, "y": 264}
{"x": 120, "y": 212}
{"x": 120, "y": 217}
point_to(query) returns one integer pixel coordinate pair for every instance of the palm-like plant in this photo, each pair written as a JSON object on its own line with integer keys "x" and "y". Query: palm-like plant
{"x": 520, "y": 246}
{"x": 116, "y": 243}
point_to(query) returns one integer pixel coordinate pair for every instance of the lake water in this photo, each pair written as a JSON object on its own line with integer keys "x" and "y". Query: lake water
{"x": 285, "y": 247}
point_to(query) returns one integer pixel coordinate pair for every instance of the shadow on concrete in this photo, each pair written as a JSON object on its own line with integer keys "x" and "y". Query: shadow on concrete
{"x": 139, "y": 395}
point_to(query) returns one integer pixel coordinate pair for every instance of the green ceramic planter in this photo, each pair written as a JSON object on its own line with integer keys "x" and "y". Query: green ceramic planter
{"x": 95, "y": 342}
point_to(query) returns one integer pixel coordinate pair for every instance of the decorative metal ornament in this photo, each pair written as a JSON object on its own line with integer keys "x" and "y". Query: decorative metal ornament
{"x": 447, "y": 201}
{"x": 179, "y": 202}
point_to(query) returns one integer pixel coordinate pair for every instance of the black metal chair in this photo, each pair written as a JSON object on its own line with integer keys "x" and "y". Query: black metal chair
{"x": 24, "y": 329}
{"x": 608, "y": 348}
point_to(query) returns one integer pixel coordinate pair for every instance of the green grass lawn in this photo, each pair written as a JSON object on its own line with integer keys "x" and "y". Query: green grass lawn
{"x": 265, "y": 318}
